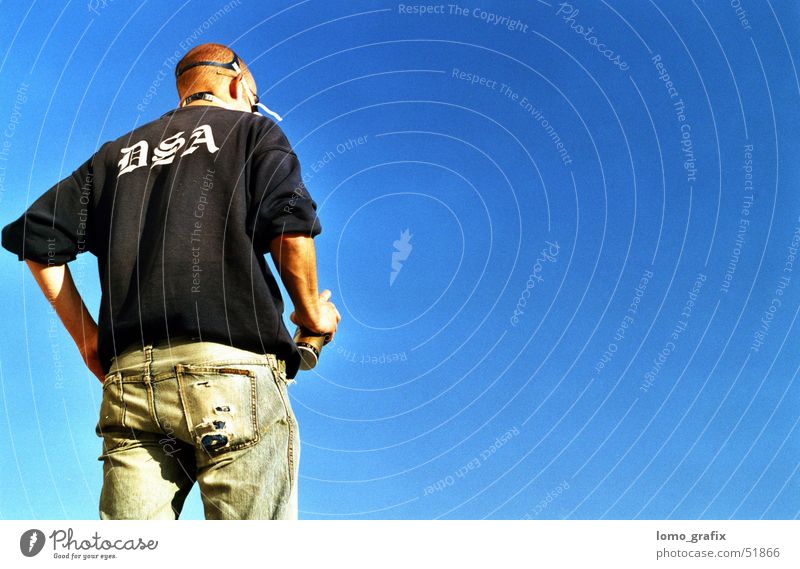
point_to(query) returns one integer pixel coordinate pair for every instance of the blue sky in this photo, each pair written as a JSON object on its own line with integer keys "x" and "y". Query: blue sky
{"x": 596, "y": 318}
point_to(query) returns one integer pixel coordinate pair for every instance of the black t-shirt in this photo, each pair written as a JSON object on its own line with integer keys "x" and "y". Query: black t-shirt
{"x": 180, "y": 213}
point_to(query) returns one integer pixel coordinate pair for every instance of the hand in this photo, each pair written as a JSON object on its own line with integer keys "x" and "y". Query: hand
{"x": 91, "y": 358}
{"x": 327, "y": 320}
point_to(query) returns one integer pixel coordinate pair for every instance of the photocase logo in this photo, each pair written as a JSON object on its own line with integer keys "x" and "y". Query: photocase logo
{"x": 31, "y": 542}
{"x": 403, "y": 250}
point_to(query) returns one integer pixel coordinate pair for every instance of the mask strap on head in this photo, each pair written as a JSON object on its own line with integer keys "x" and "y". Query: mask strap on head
{"x": 208, "y": 96}
{"x": 233, "y": 65}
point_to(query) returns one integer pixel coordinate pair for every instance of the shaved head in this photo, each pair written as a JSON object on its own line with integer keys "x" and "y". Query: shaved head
{"x": 207, "y": 77}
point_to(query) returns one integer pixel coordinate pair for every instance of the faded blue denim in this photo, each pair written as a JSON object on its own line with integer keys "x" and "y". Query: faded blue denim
{"x": 198, "y": 411}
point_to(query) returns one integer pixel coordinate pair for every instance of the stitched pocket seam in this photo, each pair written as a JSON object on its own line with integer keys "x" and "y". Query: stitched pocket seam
{"x": 180, "y": 372}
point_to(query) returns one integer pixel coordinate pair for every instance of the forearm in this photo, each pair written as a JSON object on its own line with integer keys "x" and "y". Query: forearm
{"x": 296, "y": 260}
{"x": 59, "y": 289}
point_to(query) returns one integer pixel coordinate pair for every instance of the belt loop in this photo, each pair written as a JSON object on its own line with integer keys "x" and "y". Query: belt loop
{"x": 279, "y": 366}
{"x": 148, "y": 360}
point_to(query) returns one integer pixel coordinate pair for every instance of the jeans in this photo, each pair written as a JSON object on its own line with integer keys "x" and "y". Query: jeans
{"x": 198, "y": 411}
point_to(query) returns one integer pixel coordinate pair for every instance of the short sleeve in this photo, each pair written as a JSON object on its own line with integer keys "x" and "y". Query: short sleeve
{"x": 56, "y": 227}
{"x": 281, "y": 203}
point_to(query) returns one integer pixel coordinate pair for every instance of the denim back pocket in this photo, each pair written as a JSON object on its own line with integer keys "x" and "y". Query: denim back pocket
{"x": 220, "y": 405}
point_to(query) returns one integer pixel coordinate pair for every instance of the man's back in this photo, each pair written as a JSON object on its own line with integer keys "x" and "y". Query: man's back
{"x": 179, "y": 213}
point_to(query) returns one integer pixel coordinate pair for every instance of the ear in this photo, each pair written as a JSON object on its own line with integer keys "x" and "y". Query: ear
{"x": 235, "y": 87}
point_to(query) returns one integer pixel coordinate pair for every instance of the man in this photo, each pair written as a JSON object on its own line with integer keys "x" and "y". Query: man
{"x": 191, "y": 346}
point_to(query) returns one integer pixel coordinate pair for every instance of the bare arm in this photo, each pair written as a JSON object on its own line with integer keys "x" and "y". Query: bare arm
{"x": 59, "y": 289}
{"x": 296, "y": 259}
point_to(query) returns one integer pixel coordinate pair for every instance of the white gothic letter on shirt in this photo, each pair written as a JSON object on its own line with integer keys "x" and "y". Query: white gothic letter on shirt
{"x": 133, "y": 157}
{"x": 202, "y": 134}
{"x": 165, "y": 152}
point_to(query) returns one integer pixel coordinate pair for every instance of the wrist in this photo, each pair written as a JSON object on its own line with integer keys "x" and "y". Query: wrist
{"x": 308, "y": 318}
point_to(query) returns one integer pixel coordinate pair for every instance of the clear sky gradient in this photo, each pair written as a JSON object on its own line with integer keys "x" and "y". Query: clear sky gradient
{"x": 593, "y": 314}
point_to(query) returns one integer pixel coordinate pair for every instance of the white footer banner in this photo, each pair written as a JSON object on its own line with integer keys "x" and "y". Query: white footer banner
{"x": 391, "y": 543}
